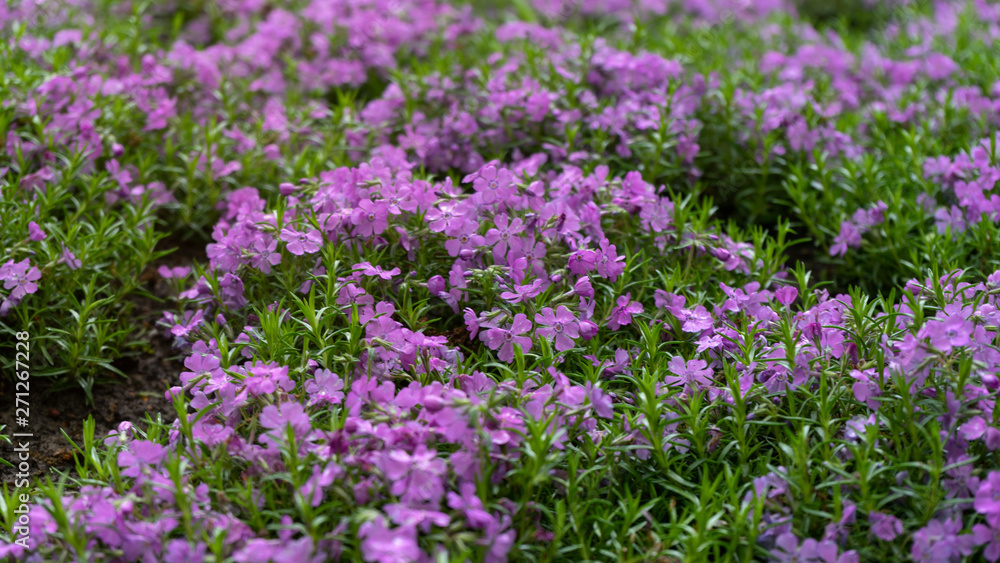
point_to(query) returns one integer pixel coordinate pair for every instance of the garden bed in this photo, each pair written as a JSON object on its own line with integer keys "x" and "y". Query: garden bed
{"x": 550, "y": 280}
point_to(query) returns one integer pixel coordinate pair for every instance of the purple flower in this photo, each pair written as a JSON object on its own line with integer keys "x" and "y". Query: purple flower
{"x": 423, "y": 519}
{"x": 989, "y": 535}
{"x": 560, "y": 325}
{"x": 35, "y": 232}
{"x": 849, "y": 236}
{"x": 582, "y": 261}
{"x": 693, "y": 373}
{"x": 471, "y": 322}
{"x": 838, "y": 531}
{"x": 949, "y": 218}
{"x": 20, "y": 277}
{"x": 382, "y": 545}
{"x": 445, "y": 218}
{"x": 504, "y": 234}
{"x": 609, "y": 264}
{"x": 857, "y": 428}
{"x": 621, "y": 315}
{"x": 70, "y": 259}
{"x": 695, "y": 320}
{"x": 505, "y": 339}
{"x": 416, "y": 477}
{"x": 988, "y": 496}
{"x": 961, "y": 483}
{"x": 325, "y": 387}
{"x": 370, "y": 217}
{"x": 831, "y": 342}
{"x": 885, "y": 526}
{"x": 522, "y": 292}
{"x": 354, "y": 294}
{"x": 278, "y": 417}
{"x": 264, "y": 379}
{"x": 599, "y": 401}
{"x": 788, "y": 550}
{"x": 141, "y": 455}
{"x": 466, "y": 238}
{"x": 181, "y": 551}
{"x": 168, "y": 273}
{"x": 320, "y": 479}
{"x": 583, "y": 288}
{"x": 201, "y": 365}
{"x": 299, "y": 243}
{"x": 976, "y": 428}
{"x": 185, "y": 324}
{"x": 952, "y": 332}
{"x": 471, "y": 505}
{"x": 866, "y": 389}
{"x": 231, "y": 291}
{"x": 266, "y": 254}
{"x": 493, "y": 185}
{"x": 786, "y": 295}
{"x": 376, "y": 271}
{"x": 940, "y": 541}
{"x": 122, "y": 434}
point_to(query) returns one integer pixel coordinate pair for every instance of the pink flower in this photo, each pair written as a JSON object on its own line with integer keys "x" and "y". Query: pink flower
{"x": 560, "y": 325}
{"x": 987, "y": 499}
{"x": 952, "y": 332}
{"x": 609, "y": 264}
{"x": 416, "y": 477}
{"x": 693, "y": 373}
{"x": 300, "y": 243}
{"x": 522, "y": 292}
{"x": 849, "y": 237}
{"x": 493, "y": 185}
{"x": 382, "y": 545}
{"x": 320, "y": 479}
{"x": 370, "y": 217}
{"x": 376, "y": 271}
{"x": 865, "y": 389}
{"x": 277, "y": 418}
{"x": 583, "y": 288}
{"x": 444, "y": 218}
{"x": 695, "y": 320}
{"x": 183, "y": 325}
{"x": 352, "y": 294}
{"x": 266, "y": 254}
{"x": 582, "y": 261}
{"x": 599, "y": 401}
{"x": 169, "y": 273}
{"x": 141, "y": 454}
{"x": 786, "y": 294}
{"x": 35, "y": 232}
{"x": 466, "y": 238}
{"x": 885, "y": 526}
{"x": 621, "y": 315}
{"x": 977, "y": 428}
{"x": 325, "y": 387}
{"x": 20, "y": 278}
{"x": 505, "y": 339}
{"x": 70, "y": 259}
{"x": 988, "y": 534}
{"x": 504, "y": 234}
{"x": 831, "y": 342}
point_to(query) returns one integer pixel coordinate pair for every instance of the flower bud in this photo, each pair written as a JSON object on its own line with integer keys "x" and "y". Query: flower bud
{"x": 433, "y": 403}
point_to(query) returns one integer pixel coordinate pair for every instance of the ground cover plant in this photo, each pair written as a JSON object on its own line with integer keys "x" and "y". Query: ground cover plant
{"x": 549, "y": 280}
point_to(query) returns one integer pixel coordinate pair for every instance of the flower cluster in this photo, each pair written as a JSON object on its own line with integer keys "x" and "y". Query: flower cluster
{"x": 493, "y": 282}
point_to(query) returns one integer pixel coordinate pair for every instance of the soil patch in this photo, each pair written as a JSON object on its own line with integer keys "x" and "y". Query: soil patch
{"x": 150, "y": 373}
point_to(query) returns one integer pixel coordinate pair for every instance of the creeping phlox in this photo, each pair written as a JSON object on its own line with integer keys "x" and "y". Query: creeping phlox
{"x": 466, "y": 294}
